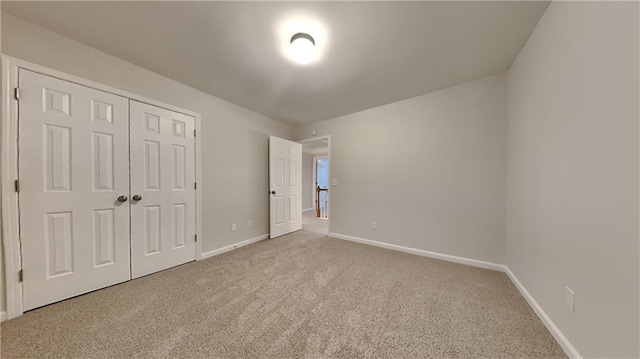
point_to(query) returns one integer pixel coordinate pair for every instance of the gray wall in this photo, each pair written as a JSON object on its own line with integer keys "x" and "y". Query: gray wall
{"x": 430, "y": 170}
{"x": 234, "y": 140}
{"x": 573, "y": 172}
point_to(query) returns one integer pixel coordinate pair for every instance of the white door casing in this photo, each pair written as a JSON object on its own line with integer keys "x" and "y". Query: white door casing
{"x": 163, "y": 173}
{"x": 285, "y": 182}
{"x": 73, "y": 165}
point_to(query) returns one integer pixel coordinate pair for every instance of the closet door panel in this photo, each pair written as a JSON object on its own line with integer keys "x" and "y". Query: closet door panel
{"x": 73, "y": 166}
{"x": 163, "y": 175}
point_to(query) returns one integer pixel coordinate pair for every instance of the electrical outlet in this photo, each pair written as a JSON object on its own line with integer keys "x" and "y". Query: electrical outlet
{"x": 250, "y": 223}
{"x": 374, "y": 225}
{"x": 234, "y": 227}
{"x": 570, "y": 300}
{"x": 334, "y": 182}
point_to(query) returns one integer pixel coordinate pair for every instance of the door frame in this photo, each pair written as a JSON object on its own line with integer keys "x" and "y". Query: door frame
{"x": 315, "y": 174}
{"x": 9, "y": 169}
{"x": 328, "y": 138}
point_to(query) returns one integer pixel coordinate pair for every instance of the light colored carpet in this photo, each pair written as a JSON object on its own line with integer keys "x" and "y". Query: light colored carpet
{"x": 312, "y": 223}
{"x": 302, "y": 295}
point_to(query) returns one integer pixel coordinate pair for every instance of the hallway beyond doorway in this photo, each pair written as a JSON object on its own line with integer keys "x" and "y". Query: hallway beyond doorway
{"x": 311, "y": 223}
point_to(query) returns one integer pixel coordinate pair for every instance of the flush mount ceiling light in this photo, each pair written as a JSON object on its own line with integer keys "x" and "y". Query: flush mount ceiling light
{"x": 302, "y": 47}
{"x": 301, "y": 38}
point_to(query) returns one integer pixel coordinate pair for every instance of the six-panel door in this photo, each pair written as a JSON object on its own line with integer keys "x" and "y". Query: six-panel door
{"x": 163, "y": 175}
{"x": 107, "y": 188}
{"x": 73, "y": 166}
{"x": 285, "y": 199}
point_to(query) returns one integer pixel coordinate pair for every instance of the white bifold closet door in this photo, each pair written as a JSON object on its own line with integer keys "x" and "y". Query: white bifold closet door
{"x": 73, "y": 166}
{"x": 163, "y": 175}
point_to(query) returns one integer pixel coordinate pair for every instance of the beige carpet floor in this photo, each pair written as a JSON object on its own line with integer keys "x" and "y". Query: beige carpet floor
{"x": 302, "y": 295}
{"x": 314, "y": 224}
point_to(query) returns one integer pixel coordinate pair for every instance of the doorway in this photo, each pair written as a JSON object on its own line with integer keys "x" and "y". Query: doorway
{"x": 316, "y": 179}
{"x": 321, "y": 186}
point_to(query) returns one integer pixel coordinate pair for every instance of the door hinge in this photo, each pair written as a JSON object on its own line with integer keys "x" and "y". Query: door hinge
{"x": 195, "y": 185}
{"x": 20, "y": 276}
{"x": 196, "y": 237}
{"x": 16, "y": 185}
{"x": 194, "y": 132}
{"x": 16, "y": 93}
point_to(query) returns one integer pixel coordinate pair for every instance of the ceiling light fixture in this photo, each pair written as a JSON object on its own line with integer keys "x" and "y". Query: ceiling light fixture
{"x": 302, "y": 48}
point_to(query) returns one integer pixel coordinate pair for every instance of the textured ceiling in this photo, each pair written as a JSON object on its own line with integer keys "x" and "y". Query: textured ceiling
{"x": 370, "y": 53}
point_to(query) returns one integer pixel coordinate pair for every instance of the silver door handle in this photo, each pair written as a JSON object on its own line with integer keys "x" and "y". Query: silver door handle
{"x": 137, "y": 197}
{"x": 122, "y": 199}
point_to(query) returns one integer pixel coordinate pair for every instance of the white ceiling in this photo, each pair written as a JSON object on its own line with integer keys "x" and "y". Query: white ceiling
{"x": 373, "y": 53}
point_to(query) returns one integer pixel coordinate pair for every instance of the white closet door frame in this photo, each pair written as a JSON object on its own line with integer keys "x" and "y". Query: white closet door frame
{"x": 9, "y": 170}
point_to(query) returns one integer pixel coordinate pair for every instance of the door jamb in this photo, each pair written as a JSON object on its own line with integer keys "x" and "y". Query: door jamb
{"x": 8, "y": 196}
{"x": 328, "y": 138}
{"x": 9, "y": 169}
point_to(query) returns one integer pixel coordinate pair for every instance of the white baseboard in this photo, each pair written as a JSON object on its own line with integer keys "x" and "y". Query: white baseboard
{"x": 423, "y": 253}
{"x": 568, "y": 348}
{"x": 231, "y": 247}
{"x": 308, "y": 209}
{"x": 562, "y": 340}
{"x": 3, "y": 316}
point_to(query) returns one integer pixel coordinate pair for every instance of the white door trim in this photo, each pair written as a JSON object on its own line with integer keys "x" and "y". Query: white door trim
{"x": 328, "y": 138}
{"x": 8, "y": 196}
{"x": 9, "y": 168}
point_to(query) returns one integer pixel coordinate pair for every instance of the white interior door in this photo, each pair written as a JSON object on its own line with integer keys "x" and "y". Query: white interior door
{"x": 285, "y": 173}
{"x": 163, "y": 175}
{"x": 73, "y": 166}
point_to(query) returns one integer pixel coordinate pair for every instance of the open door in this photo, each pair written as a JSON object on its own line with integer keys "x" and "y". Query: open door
{"x": 285, "y": 193}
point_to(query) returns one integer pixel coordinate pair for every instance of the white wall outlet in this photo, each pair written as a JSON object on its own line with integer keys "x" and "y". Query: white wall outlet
{"x": 570, "y": 299}
{"x": 234, "y": 227}
{"x": 334, "y": 182}
{"x": 374, "y": 225}
{"x": 250, "y": 223}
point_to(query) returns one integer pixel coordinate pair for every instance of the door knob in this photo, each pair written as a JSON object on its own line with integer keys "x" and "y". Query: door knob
{"x": 122, "y": 199}
{"x": 137, "y": 197}
{"x": 273, "y": 192}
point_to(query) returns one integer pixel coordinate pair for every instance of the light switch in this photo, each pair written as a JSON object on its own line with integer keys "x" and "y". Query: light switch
{"x": 334, "y": 182}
